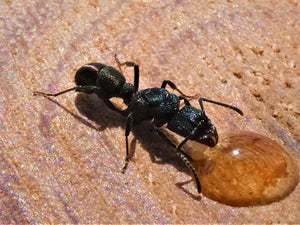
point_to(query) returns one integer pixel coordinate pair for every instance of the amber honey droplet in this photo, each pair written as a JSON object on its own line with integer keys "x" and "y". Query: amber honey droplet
{"x": 245, "y": 169}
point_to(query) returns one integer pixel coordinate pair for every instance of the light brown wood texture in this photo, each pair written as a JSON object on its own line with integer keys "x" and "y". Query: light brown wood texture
{"x": 56, "y": 168}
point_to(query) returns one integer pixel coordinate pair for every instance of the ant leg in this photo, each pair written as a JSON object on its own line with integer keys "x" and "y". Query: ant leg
{"x": 118, "y": 61}
{"x": 84, "y": 89}
{"x": 35, "y": 93}
{"x": 201, "y": 105}
{"x": 186, "y": 102}
{"x": 127, "y": 132}
{"x": 181, "y": 154}
{"x": 164, "y": 136}
{"x": 169, "y": 140}
{"x": 183, "y": 157}
{"x": 136, "y": 71}
{"x": 221, "y": 104}
{"x": 174, "y": 87}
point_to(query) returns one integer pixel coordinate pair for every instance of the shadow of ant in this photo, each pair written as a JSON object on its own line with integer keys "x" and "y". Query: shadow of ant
{"x": 101, "y": 117}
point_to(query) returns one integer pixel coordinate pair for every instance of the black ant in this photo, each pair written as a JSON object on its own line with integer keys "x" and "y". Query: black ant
{"x": 155, "y": 104}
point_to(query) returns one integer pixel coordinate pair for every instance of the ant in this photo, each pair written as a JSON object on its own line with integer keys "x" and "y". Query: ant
{"x": 156, "y": 104}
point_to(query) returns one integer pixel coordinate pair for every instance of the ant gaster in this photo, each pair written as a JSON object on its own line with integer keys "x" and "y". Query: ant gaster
{"x": 155, "y": 104}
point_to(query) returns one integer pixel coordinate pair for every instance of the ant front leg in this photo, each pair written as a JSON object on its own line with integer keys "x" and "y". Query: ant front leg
{"x": 174, "y": 87}
{"x": 169, "y": 140}
{"x": 164, "y": 136}
{"x": 183, "y": 157}
{"x": 181, "y": 154}
{"x": 136, "y": 71}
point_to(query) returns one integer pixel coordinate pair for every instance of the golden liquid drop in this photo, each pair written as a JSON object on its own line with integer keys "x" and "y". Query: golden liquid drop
{"x": 245, "y": 169}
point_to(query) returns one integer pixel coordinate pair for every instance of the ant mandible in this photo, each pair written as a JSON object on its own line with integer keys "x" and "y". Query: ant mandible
{"x": 155, "y": 104}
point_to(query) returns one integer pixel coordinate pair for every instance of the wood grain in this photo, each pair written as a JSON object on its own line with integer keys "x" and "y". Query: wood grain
{"x": 57, "y": 168}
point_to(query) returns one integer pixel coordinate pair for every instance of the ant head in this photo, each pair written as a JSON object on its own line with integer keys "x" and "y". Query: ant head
{"x": 209, "y": 137}
{"x": 127, "y": 92}
{"x": 193, "y": 123}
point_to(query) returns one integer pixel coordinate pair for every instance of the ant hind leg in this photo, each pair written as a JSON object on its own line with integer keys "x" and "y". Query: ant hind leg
{"x": 135, "y": 68}
{"x": 84, "y": 89}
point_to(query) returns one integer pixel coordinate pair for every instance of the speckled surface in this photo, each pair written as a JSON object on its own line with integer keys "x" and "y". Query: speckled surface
{"x": 56, "y": 168}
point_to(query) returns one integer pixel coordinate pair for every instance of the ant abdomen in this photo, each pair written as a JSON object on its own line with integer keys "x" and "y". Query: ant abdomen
{"x": 87, "y": 75}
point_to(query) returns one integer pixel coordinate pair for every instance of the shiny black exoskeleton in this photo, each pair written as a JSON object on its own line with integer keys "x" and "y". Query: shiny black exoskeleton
{"x": 105, "y": 81}
{"x": 162, "y": 107}
{"x": 155, "y": 104}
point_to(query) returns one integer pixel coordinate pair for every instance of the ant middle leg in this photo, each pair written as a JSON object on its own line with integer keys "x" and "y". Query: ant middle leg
{"x": 174, "y": 87}
{"x": 135, "y": 68}
{"x": 169, "y": 140}
{"x": 127, "y": 132}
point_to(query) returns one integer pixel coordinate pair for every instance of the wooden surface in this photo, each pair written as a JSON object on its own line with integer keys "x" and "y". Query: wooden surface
{"x": 60, "y": 169}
